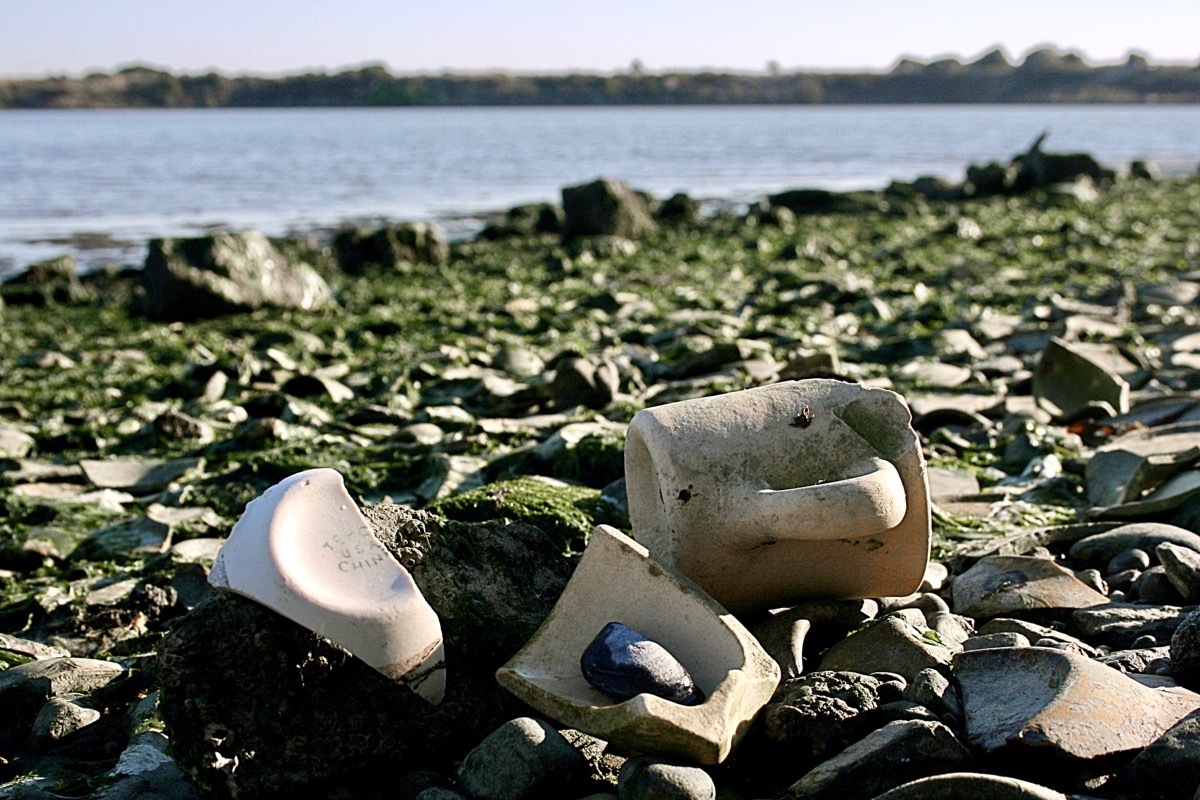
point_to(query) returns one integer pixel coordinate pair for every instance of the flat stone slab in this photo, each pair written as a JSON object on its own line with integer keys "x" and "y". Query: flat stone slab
{"x": 901, "y": 643}
{"x": 1007, "y": 585}
{"x": 1042, "y": 700}
{"x": 1098, "y": 549}
{"x": 977, "y": 786}
{"x": 141, "y": 476}
{"x": 1120, "y": 624}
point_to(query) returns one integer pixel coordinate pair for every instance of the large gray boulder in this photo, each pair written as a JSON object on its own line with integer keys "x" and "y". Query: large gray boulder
{"x": 604, "y": 208}
{"x": 257, "y": 706}
{"x": 208, "y": 276}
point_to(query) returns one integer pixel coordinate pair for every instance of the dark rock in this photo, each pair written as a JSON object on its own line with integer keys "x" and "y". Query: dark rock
{"x": 52, "y": 281}
{"x": 816, "y": 201}
{"x": 1185, "y": 650}
{"x": 622, "y": 663}
{"x": 189, "y": 279}
{"x": 145, "y": 772}
{"x": 888, "y": 757}
{"x": 581, "y": 381}
{"x": 1182, "y": 567}
{"x": 390, "y": 247}
{"x": 1169, "y": 769}
{"x": 816, "y": 716}
{"x": 1155, "y": 586}
{"x": 523, "y": 758}
{"x": 604, "y": 208}
{"x": 1132, "y": 559}
{"x": 1101, "y": 547}
{"x": 1139, "y": 660}
{"x": 258, "y": 706}
{"x": 26, "y": 688}
{"x": 1037, "y": 169}
{"x": 1119, "y": 624}
{"x": 782, "y": 636}
{"x": 679, "y": 207}
{"x": 645, "y": 778}
{"x": 934, "y": 691}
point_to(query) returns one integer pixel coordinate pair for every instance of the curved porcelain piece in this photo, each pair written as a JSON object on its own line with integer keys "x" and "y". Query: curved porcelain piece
{"x": 770, "y": 496}
{"x": 616, "y": 580}
{"x": 305, "y": 550}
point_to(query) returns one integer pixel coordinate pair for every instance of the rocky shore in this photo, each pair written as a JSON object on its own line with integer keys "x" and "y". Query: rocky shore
{"x": 1040, "y": 319}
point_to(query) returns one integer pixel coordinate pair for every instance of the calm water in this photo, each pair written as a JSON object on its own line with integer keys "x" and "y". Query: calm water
{"x": 99, "y": 183}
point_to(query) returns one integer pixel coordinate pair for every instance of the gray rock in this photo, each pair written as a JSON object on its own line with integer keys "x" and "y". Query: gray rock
{"x": 145, "y": 772}
{"x": 644, "y": 778}
{"x": 953, "y": 629}
{"x": 1037, "y": 702}
{"x": 604, "y": 208}
{"x": 523, "y": 758}
{"x": 1033, "y": 632}
{"x": 818, "y": 715}
{"x": 782, "y": 636}
{"x": 584, "y": 382}
{"x": 1185, "y": 650}
{"x": 1140, "y": 660}
{"x": 390, "y": 247}
{"x": 1101, "y": 547}
{"x": 62, "y": 716}
{"x": 900, "y": 643}
{"x": 14, "y": 442}
{"x": 188, "y": 279}
{"x": 26, "y": 688}
{"x": 1155, "y": 586}
{"x": 308, "y": 713}
{"x": 1169, "y": 769}
{"x": 895, "y": 754}
{"x": 989, "y": 640}
{"x": 1132, "y": 559}
{"x": 959, "y": 785}
{"x": 1119, "y": 624}
{"x": 1020, "y": 585}
{"x": 934, "y": 691}
{"x": 1182, "y": 565}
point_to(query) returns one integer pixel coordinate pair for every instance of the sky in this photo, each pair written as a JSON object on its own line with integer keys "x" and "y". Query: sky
{"x": 273, "y": 37}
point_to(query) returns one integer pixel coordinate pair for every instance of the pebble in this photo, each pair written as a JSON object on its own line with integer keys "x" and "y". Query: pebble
{"x": 1154, "y": 586}
{"x": 1120, "y": 624}
{"x": 523, "y": 758}
{"x": 1132, "y": 559}
{"x": 1185, "y": 650}
{"x": 622, "y": 663}
{"x": 645, "y": 778}
{"x": 934, "y": 691}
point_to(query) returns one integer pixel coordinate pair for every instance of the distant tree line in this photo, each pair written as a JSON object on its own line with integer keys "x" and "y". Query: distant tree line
{"x": 1043, "y": 76}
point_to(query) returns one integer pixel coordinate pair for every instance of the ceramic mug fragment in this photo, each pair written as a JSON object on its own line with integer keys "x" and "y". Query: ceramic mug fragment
{"x": 305, "y": 550}
{"x": 773, "y": 495}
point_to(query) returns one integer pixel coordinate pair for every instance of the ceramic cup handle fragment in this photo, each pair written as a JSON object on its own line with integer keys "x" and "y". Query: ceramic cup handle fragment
{"x": 305, "y": 550}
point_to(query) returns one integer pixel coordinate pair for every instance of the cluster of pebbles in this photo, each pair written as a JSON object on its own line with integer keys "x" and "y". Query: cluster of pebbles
{"x": 1048, "y": 347}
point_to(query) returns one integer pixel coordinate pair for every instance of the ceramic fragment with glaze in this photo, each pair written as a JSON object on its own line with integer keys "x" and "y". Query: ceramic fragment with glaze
{"x": 304, "y": 550}
{"x": 622, "y": 663}
{"x": 616, "y": 580}
{"x": 768, "y": 496}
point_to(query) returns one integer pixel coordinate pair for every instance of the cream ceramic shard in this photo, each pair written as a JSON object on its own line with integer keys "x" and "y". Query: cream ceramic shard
{"x": 304, "y": 550}
{"x": 769, "y": 496}
{"x": 616, "y": 581}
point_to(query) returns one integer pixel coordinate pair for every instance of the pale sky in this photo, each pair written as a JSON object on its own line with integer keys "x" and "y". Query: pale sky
{"x": 39, "y": 37}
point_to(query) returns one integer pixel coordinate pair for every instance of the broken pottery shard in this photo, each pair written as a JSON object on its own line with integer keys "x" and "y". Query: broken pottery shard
{"x": 622, "y": 663}
{"x": 1011, "y": 585}
{"x": 769, "y": 496}
{"x": 1067, "y": 381}
{"x": 616, "y": 580}
{"x": 1136, "y": 467}
{"x": 304, "y": 550}
{"x": 1027, "y": 700}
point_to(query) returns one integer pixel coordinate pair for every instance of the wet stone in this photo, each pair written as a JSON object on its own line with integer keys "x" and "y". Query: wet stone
{"x": 622, "y": 663}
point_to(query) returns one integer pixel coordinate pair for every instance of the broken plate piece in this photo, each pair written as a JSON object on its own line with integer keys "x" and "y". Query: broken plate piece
{"x": 616, "y": 580}
{"x": 305, "y": 550}
{"x": 1145, "y": 472}
{"x": 774, "y": 495}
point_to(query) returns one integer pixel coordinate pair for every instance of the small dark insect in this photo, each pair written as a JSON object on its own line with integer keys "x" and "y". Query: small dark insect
{"x": 684, "y": 496}
{"x": 804, "y": 418}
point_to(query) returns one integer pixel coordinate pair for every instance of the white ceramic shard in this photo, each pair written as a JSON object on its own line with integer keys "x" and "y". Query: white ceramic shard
{"x": 769, "y": 496}
{"x": 616, "y": 581}
{"x": 305, "y": 550}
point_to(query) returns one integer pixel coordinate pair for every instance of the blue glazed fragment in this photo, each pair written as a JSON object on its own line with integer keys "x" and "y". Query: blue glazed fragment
{"x": 622, "y": 663}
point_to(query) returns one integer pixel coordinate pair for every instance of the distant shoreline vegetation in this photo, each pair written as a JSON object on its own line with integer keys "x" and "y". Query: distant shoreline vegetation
{"x": 1043, "y": 76}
